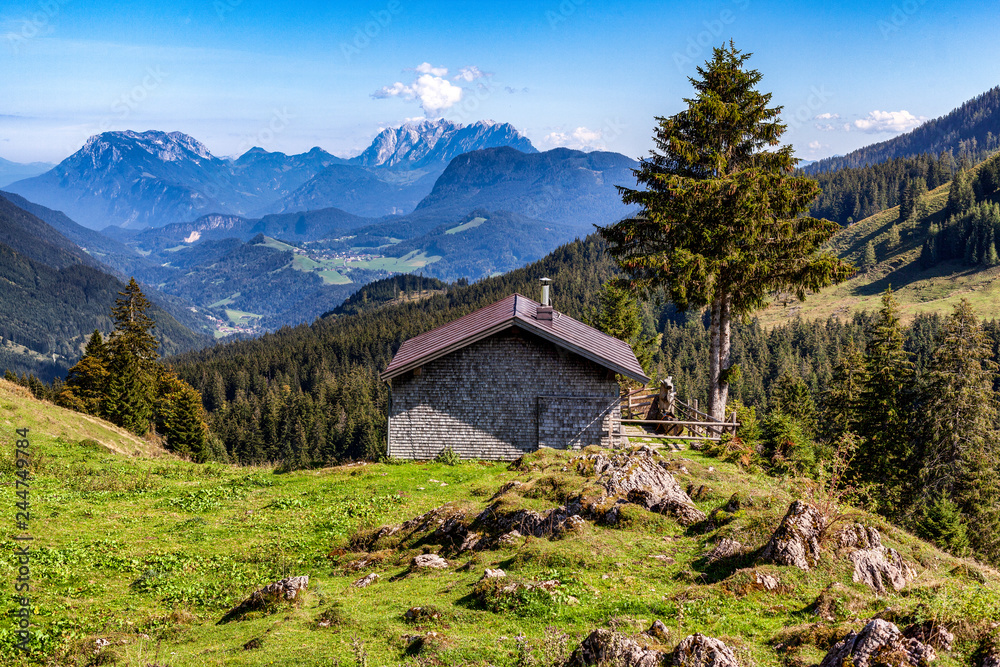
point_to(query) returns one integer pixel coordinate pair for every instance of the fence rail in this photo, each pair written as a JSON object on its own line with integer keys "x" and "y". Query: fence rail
{"x": 673, "y": 418}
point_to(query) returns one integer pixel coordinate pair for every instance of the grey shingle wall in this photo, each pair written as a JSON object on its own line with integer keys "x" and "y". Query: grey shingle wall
{"x": 499, "y": 398}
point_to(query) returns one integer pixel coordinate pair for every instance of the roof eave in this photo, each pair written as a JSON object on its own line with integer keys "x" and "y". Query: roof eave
{"x": 540, "y": 330}
{"x": 527, "y": 325}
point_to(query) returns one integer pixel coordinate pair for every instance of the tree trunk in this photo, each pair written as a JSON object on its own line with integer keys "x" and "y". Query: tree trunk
{"x": 720, "y": 348}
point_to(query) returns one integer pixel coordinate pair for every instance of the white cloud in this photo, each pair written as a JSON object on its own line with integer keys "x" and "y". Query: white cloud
{"x": 825, "y": 127}
{"x": 582, "y": 138}
{"x": 888, "y": 121}
{"x": 470, "y": 74}
{"x": 827, "y": 116}
{"x": 434, "y": 92}
{"x": 427, "y": 68}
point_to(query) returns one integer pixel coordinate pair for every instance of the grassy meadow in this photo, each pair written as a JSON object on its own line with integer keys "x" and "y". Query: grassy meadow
{"x": 917, "y": 290}
{"x": 146, "y": 552}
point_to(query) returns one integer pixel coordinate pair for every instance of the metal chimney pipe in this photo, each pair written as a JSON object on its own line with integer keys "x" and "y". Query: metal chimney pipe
{"x": 545, "y": 290}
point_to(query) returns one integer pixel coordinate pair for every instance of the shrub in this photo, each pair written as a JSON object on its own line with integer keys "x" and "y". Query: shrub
{"x": 447, "y": 456}
{"x": 788, "y": 446}
{"x": 942, "y": 523}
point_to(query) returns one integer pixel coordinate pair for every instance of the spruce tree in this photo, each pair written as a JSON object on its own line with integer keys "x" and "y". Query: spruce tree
{"x": 132, "y": 352}
{"x": 959, "y": 435}
{"x": 842, "y": 397}
{"x": 86, "y": 384}
{"x": 885, "y": 454}
{"x": 868, "y": 258}
{"x": 791, "y": 396}
{"x": 617, "y": 314}
{"x": 180, "y": 417}
{"x": 892, "y": 241}
{"x": 720, "y": 223}
{"x": 960, "y": 194}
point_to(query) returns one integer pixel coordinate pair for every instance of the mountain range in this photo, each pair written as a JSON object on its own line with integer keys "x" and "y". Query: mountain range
{"x": 142, "y": 179}
{"x": 16, "y": 171}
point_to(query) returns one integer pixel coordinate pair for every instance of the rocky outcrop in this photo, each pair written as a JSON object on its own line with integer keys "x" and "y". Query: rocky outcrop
{"x": 284, "y": 590}
{"x": 606, "y": 647}
{"x": 698, "y": 650}
{"x": 366, "y": 580}
{"x": 429, "y": 561}
{"x": 796, "y": 541}
{"x": 879, "y": 642}
{"x": 931, "y": 633}
{"x": 638, "y": 477}
{"x": 875, "y": 565}
{"x": 726, "y": 548}
{"x": 556, "y": 521}
{"x": 766, "y": 581}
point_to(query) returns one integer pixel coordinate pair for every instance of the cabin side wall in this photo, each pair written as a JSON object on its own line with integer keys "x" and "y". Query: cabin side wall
{"x": 499, "y": 398}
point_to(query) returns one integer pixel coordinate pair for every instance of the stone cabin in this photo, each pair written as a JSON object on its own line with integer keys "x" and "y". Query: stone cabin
{"x": 504, "y": 380}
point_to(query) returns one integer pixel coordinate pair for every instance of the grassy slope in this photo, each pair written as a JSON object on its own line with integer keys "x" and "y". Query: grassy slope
{"x": 918, "y": 290}
{"x": 149, "y": 552}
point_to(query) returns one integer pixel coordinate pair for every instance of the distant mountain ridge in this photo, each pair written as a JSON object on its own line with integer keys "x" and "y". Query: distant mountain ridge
{"x": 16, "y": 171}
{"x": 153, "y": 178}
{"x": 426, "y": 142}
{"x": 973, "y": 127}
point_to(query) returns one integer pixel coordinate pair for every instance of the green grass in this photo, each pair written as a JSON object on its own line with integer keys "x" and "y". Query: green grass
{"x": 411, "y": 261}
{"x": 325, "y": 268}
{"x": 471, "y": 224}
{"x": 238, "y": 317}
{"x": 149, "y": 552}
{"x": 225, "y": 302}
{"x": 277, "y": 245}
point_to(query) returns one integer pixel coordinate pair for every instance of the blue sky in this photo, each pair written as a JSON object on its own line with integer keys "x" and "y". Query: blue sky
{"x": 580, "y": 73}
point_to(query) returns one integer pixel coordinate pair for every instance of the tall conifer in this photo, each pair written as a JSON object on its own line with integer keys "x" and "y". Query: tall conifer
{"x": 960, "y": 439}
{"x": 885, "y": 455}
{"x": 720, "y": 223}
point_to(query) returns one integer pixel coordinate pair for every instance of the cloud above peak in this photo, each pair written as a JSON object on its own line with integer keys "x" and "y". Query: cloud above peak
{"x": 432, "y": 88}
{"x": 434, "y": 92}
{"x": 888, "y": 121}
{"x": 427, "y": 68}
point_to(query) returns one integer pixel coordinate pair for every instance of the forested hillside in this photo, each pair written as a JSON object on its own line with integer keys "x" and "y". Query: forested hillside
{"x": 972, "y": 128}
{"x": 851, "y": 194}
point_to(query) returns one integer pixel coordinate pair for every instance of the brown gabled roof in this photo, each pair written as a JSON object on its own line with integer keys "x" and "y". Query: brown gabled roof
{"x": 519, "y": 311}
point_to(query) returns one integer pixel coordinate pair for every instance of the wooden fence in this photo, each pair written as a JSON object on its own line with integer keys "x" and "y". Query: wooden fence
{"x": 676, "y": 420}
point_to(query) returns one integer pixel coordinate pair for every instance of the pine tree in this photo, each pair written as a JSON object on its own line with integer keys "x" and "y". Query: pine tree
{"x": 842, "y": 397}
{"x": 868, "y": 258}
{"x": 720, "y": 222}
{"x": 885, "y": 455}
{"x": 86, "y": 384}
{"x": 180, "y": 418}
{"x": 617, "y": 314}
{"x": 959, "y": 435}
{"x": 960, "y": 194}
{"x": 132, "y": 352}
{"x": 892, "y": 241}
{"x": 791, "y": 396}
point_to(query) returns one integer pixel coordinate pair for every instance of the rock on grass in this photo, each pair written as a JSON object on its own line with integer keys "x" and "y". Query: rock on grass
{"x": 796, "y": 541}
{"x": 879, "y": 643}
